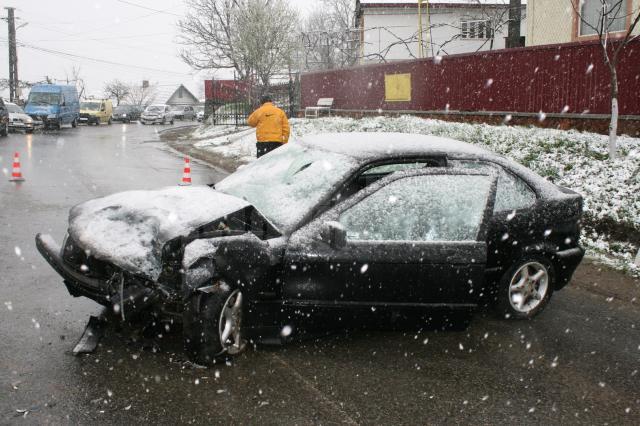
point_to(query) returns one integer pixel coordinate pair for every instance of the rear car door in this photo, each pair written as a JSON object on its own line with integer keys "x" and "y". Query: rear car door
{"x": 414, "y": 238}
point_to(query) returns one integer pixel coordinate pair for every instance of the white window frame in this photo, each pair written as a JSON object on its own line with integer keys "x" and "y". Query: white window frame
{"x": 585, "y": 30}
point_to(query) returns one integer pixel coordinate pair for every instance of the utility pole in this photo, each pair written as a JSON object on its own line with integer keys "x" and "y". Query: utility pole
{"x": 13, "y": 54}
{"x": 515, "y": 16}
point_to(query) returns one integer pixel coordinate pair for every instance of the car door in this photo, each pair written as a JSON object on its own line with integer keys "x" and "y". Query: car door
{"x": 414, "y": 238}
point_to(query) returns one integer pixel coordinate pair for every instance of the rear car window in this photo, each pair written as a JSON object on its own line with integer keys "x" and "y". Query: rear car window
{"x": 512, "y": 192}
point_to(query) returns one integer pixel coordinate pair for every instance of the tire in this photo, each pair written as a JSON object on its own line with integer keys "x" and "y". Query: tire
{"x": 5, "y": 130}
{"x": 74, "y": 123}
{"x": 109, "y": 122}
{"x": 171, "y": 122}
{"x": 520, "y": 294}
{"x": 203, "y": 329}
{"x": 29, "y": 131}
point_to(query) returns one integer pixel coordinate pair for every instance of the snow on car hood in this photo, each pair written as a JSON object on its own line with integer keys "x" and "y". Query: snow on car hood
{"x": 129, "y": 229}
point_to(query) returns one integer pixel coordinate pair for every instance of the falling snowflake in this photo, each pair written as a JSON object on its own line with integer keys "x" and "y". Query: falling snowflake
{"x": 18, "y": 251}
{"x": 364, "y": 268}
{"x": 286, "y": 331}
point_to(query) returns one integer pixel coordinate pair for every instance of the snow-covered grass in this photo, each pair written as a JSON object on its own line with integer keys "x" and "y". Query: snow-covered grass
{"x": 576, "y": 160}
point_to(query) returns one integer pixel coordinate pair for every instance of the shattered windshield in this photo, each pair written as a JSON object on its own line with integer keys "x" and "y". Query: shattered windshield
{"x": 287, "y": 184}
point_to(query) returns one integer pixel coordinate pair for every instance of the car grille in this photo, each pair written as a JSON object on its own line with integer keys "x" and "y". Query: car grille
{"x": 81, "y": 261}
{"x": 85, "y": 115}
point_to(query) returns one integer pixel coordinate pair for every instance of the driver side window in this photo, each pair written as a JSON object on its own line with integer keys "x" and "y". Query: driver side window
{"x": 421, "y": 208}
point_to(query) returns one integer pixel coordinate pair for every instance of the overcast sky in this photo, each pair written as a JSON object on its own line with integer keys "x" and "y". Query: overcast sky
{"x": 132, "y": 40}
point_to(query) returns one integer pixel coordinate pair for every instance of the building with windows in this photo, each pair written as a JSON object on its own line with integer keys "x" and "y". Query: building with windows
{"x": 392, "y": 30}
{"x": 559, "y": 21}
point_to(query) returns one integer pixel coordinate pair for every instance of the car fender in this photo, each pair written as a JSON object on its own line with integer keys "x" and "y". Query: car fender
{"x": 240, "y": 261}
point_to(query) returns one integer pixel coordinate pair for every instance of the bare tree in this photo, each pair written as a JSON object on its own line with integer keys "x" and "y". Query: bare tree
{"x": 75, "y": 76}
{"x": 141, "y": 96}
{"x": 604, "y": 17}
{"x": 117, "y": 89}
{"x": 252, "y": 37}
{"x": 329, "y": 39}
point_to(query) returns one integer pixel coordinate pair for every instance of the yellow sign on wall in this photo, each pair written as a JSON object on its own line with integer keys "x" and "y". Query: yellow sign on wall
{"x": 397, "y": 87}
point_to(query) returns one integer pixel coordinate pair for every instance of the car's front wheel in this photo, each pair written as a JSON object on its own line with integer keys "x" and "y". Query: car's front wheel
{"x": 525, "y": 289}
{"x": 212, "y": 325}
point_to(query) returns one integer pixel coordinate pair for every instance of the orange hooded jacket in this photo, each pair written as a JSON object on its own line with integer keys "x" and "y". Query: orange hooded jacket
{"x": 271, "y": 124}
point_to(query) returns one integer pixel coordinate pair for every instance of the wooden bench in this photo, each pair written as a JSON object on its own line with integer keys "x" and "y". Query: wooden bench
{"x": 323, "y": 105}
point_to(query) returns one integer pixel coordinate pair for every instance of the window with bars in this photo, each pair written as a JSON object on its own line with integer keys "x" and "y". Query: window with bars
{"x": 476, "y": 30}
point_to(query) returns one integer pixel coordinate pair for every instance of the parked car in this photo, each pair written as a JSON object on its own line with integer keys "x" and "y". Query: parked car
{"x": 4, "y": 119}
{"x": 96, "y": 111}
{"x": 126, "y": 113}
{"x": 157, "y": 114}
{"x": 199, "y": 113}
{"x": 52, "y": 105}
{"x": 334, "y": 228}
{"x": 18, "y": 120}
{"x": 181, "y": 112}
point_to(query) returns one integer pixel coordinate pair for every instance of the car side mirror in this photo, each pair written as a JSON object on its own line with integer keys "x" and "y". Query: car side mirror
{"x": 334, "y": 234}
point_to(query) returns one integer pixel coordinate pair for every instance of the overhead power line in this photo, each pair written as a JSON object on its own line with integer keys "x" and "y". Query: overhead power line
{"x": 87, "y": 58}
{"x": 149, "y": 8}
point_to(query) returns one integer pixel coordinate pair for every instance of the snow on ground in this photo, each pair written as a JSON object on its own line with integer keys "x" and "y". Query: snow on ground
{"x": 576, "y": 160}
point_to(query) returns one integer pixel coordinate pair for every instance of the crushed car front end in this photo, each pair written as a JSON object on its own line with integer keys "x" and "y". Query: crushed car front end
{"x": 103, "y": 282}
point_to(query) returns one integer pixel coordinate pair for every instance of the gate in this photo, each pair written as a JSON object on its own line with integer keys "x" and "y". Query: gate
{"x": 230, "y": 102}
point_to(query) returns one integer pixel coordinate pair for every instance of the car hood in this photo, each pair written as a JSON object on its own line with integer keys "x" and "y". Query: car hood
{"x": 129, "y": 229}
{"x": 21, "y": 116}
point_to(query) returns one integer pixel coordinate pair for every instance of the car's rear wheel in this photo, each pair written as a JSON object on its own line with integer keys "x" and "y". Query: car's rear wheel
{"x": 212, "y": 325}
{"x": 5, "y": 130}
{"x": 74, "y": 123}
{"x": 525, "y": 289}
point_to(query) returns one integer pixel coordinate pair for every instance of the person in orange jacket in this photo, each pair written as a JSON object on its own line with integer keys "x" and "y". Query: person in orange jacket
{"x": 272, "y": 126}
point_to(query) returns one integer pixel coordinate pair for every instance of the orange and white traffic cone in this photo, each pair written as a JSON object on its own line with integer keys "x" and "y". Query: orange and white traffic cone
{"x": 16, "y": 174}
{"x": 186, "y": 175}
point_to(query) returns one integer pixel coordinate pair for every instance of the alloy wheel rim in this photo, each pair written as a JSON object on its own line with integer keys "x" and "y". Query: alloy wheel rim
{"x": 528, "y": 287}
{"x": 230, "y": 324}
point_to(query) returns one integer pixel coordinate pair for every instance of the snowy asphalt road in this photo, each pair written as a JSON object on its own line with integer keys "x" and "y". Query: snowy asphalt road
{"x": 577, "y": 363}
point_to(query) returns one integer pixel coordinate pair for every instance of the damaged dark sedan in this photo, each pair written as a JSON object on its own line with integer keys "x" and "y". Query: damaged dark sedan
{"x": 333, "y": 228}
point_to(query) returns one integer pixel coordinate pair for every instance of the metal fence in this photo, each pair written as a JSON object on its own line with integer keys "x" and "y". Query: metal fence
{"x": 230, "y": 102}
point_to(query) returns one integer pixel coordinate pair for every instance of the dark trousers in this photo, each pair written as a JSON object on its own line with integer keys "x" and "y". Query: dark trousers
{"x": 266, "y": 147}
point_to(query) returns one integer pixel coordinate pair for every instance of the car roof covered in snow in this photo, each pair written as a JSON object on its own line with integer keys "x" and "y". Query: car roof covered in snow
{"x": 372, "y": 146}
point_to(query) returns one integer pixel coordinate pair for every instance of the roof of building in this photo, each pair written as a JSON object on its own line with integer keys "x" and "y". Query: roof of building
{"x": 181, "y": 93}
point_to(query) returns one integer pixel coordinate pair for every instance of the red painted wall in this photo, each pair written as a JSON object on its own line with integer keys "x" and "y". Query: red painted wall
{"x": 530, "y": 79}
{"x": 225, "y": 90}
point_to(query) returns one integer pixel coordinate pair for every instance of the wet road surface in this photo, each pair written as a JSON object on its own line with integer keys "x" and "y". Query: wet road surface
{"x": 576, "y": 363}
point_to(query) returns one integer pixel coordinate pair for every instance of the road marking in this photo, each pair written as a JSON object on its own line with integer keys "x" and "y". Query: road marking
{"x": 319, "y": 394}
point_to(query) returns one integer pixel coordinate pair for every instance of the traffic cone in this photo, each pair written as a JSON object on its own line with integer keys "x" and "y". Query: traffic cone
{"x": 186, "y": 175}
{"x": 16, "y": 175}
